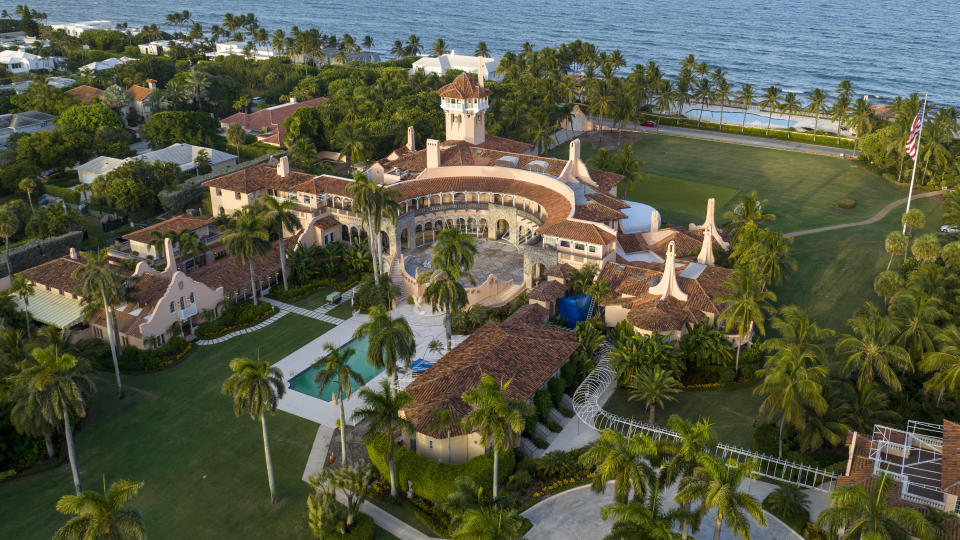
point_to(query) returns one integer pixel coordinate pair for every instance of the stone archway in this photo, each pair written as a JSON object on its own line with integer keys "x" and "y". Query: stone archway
{"x": 404, "y": 239}
{"x": 384, "y": 242}
{"x": 539, "y": 273}
{"x": 503, "y": 228}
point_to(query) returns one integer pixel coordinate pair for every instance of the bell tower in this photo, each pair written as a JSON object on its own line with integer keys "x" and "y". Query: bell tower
{"x": 465, "y": 102}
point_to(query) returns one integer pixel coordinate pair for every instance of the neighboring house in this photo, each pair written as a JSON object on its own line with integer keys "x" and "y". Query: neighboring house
{"x": 331, "y": 55}
{"x": 182, "y": 154}
{"x": 23, "y": 62}
{"x": 77, "y": 28}
{"x": 60, "y": 82}
{"x": 524, "y": 349}
{"x": 439, "y": 65}
{"x": 271, "y": 118}
{"x": 103, "y": 65}
{"x": 140, "y": 240}
{"x": 138, "y": 96}
{"x": 239, "y": 48}
{"x": 19, "y": 87}
{"x": 25, "y": 122}
{"x": 85, "y": 94}
{"x": 159, "y": 47}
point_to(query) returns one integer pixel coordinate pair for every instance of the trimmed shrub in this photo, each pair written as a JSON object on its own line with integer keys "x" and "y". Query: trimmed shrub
{"x": 296, "y": 293}
{"x": 236, "y": 316}
{"x": 568, "y": 372}
{"x": 530, "y": 426}
{"x": 846, "y": 204}
{"x": 132, "y": 359}
{"x": 543, "y": 403}
{"x": 434, "y": 480}
{"x": 177, "y": 200}
{"x": 565, "y": 411}
{"x": 556, "y": 386}
{"x": 37, "y": 252}
{"x": 65, "y": 193}
{"x": 553, "y": 426}
{"x": 765, "y": 439}
{"x": 520, "y": 480}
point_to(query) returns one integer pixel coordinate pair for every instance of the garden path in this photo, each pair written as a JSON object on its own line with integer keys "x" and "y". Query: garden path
{"x": 877, "y": 217}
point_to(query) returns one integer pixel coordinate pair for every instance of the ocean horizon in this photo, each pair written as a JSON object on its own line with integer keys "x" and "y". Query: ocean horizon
{"x": 885, "y": 49}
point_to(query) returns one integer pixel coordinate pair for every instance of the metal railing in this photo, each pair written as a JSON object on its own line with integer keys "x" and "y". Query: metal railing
{"x": 587, "y": 404}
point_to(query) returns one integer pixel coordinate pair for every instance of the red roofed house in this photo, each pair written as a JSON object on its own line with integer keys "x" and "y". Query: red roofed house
{"x": 271, "y": 118}
{"x": 139, "y": 96}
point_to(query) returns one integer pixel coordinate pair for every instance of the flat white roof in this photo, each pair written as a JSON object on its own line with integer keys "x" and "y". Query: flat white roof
{"x": 638, "y": 217}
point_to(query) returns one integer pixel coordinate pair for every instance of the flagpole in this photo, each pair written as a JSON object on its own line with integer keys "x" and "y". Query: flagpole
{"x": 913, "y": 175}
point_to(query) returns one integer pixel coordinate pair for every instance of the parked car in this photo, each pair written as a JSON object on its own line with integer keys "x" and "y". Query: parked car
{"x": 949, "y": 229}
{"x": 648, "y": 123}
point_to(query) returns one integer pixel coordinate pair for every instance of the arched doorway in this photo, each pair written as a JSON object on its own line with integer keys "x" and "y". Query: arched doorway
{"x": 354, "y": 235}
{"x": 539, "y": 274}
{"x": 384, "y": 242}
{"x": 503, "y": 229}
{"x": 345, "y": 233}
{"x": 404, "y": 239}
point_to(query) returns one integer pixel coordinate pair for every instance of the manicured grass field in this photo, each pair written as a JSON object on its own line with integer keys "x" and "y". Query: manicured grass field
{"x": 203, "y": 468}
{"x": 314, "y": 300}
{"x": 801, "y": 189}
{"x": 837, "y": 268}
{"x": 731, "y": 412}
{"x": 343, "y": 311}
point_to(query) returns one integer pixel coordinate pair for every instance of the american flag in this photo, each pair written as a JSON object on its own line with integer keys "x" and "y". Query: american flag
{"x": 913, "y": 141}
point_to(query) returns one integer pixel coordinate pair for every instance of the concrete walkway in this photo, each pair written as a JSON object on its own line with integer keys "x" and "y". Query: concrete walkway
{"x": 776, "y": 144}
{"x": 576, "y": 514}
{"x": 254, "y": 328}
{"x": 319, "y": 313}
{"x": 877, "y": 217}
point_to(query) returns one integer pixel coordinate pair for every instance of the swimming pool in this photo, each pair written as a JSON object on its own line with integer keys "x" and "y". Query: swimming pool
{"x": 304, "y": 383}
{"x": 735, "y": 117}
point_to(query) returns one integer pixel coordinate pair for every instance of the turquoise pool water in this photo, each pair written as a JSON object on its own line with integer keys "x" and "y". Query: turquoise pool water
{"x": 304, "y": 381}
{"x": 735, "y": 117}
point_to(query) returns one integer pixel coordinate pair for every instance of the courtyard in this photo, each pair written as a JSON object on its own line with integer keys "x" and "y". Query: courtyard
{"x": 502, "y": 259}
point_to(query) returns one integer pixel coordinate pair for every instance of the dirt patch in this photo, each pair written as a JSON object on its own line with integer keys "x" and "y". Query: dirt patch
{"x": 612, "y": 139}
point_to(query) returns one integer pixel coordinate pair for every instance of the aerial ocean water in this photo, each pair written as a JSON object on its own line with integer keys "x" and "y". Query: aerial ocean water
{"x": 885, "y": 47}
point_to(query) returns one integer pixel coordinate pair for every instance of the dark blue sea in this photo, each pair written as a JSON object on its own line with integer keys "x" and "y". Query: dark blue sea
{"x": 886, "y": 48}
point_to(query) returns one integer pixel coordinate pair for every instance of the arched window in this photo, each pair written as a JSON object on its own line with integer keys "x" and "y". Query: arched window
{"x": 193, "y": 298}
{"x": 173, "y": 308}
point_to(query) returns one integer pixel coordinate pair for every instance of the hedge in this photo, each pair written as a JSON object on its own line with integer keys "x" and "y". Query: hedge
{"x": 67, "y": 194}
{"x": 297, "y": 292}
{"x": 177, "y": 200}
{"x": 434, "y": 480}
{"x": 132, "y": 359}
{"x": 236, "y": 317}
{"x": 36, "y": 252}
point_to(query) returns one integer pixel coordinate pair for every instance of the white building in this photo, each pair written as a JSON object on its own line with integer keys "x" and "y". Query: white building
{"x": 103, "y": 65}
{"x": 239, "y": 48}
{"x": 470, "y": 64}
{"x": 77, "y": 28}
{"x": 25, "y": 122}
{"x": 160, "y": 47}
{"x": 22, "y": 62}
{"x": 61, "y": 82}
{"x": 182, "y": 154}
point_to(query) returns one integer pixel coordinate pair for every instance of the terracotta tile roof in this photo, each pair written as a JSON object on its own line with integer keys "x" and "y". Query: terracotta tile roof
{"x": 138, "y": 93}
{"x": 234, "y": 277}
{"x": 560, "y": 270}
{"x": 463, "y": 87}
{"x": 687, "y": 242}
{"x": 597, "y": 212}
{"x": 631, "y": 243}
{"x": 950, "y": 464}
{"x": 150, "y": 288}
{"x": 327, "y": 222}
{"x": 579, "y": 231}
{"x": 528, "y": 314}
{"x": 85, "y": 94}
{"x": 174, "y": 224}
{"x": 608, "y": 200}
{"x": 526, "y": 354}
{"x": 261, "y": 176}
{"x": 55, "y": 274}
{"x": 547, "y": 291}
{"x": 493, "y": 142}
{"x": 656, "y": 315}
{"x": 271, "y": 117}
{"x": 457, "y": 153}
{"x": 605, "y": 180}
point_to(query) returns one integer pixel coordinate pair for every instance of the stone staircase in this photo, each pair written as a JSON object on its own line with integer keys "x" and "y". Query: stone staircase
{"x": 396, "y": 276}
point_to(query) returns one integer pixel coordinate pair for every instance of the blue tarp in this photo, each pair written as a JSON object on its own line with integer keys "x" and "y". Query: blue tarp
{"x": 574, "y": 309}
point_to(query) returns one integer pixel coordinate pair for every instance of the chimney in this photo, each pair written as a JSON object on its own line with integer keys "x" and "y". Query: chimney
{"x": 171, "y": 257}
{"x": 668, "y": 286}
{"x": 711, "y": 203}
{"x": 151, "y": 84}
{"x": 73, "y": 253}
{"x": 411, "y": 139}
{"x": 433, "y": 153}
{"x": 283, "y": 167}
{"x": 293, "y": 99}
{"x": 575, "y": 150}
{"x": 706, "y": 249}
{"x": 480, "y": 69}
{"x": 654, "y": 221}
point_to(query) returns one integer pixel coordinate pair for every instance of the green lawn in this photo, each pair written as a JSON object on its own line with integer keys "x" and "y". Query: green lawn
{"x": 314, "y": 300}
{"x": 732, "y": 412}
{"x": 837, "y": 268}
{"x": 342, "y": 311}
{"x": 202, "y": 467}
{"x": 801, "y": 189}
{"x": 97, "y": 238}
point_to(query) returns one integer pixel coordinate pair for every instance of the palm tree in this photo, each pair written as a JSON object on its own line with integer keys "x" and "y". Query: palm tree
{"x": 771, "y": 254}
{"x": 771, "y": 100}
{"x": 56, "y": 385}
{"x": 390, "y": 341}
{"x": 246, "y": 239}
{"x": 398, "y": 50}
{"x": 872, "y": 351}
{"x": 623, "y": 459}
{"x": 280, "y": 215}
{"x": 693, "y": 441}
{"x": 912, "y": 220}
{"x": 101, "y": 285}
{"x": 97, "y": 515}
{"x": 919, "y": 316}
{"x": 236, "y": 136}
{"x": 444, "y": 290}
{"x": 839, "y": 113}
{"x": 197, "y": 82}
{"x": 363, "y": 192}
{"x": 943, "y": 364}
{"x": 644, "y": 519}
{"x": 383, "y": 202}
{"x": 715, "y": 484}
{"x": 489, "y": 523}
{"x": 887, "y": 284}
{"x": 817, "y": 105}
{"x": 256, "y": 389}
{"x": 439, "y": 47}
{"x": 863, "y": 513}
{"x": 601, "y": 103}
{"x": 654, "y": 387}
{"x": 413, "y": 45}
{"x": 9, "y": 225}
{"x": 482, "y": 50}
{"x": 788, "y": 502}
{"x": 498, "y": 420}
{"x": 190, "y": 245}
{"x": 722, "y": 93}
{"x": 790, "y": 105}
{"x": 748, "y": 210}
{"x": 702, "y": 92}
{"x": 792, "y": 384}
{"x": 382, "y": 411}
{"x": 745, "y": 96}
{"x": 861, "y": 119}
{"x": 335, "y": 366}
{"x": 443, "y": 419}
{"x": 24, "y": 289}
{"x": 895, "y": 244}
{"x": 747, "y": 303}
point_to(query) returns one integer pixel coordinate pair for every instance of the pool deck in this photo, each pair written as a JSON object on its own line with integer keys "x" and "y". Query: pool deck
{"x": 425, "y": 328}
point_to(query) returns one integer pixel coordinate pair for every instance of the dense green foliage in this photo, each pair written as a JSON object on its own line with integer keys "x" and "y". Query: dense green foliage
{"x": 235, "y": 317}
{"x": 169, "y": 127}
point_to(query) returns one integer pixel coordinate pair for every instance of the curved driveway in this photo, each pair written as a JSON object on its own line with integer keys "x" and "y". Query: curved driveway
{"x": 575, "y": 514}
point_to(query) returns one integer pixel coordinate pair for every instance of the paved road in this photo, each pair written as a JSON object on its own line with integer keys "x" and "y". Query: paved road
{"x": 747, "y": 140}
{"x": 575, "y": 514}
{"x": 877, "y": 217}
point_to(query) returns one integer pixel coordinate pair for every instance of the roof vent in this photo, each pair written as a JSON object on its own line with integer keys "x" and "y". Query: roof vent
{"x": 538, "y": 165}
{"x": 510, "y": 162}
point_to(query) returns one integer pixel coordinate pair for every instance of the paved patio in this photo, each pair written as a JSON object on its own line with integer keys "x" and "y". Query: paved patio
{"x": 493, "y": 257}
